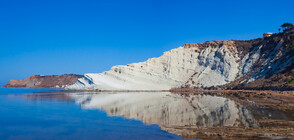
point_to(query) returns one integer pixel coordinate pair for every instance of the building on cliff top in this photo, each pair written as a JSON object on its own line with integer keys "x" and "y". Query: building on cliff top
{"x": 268, "y": 34}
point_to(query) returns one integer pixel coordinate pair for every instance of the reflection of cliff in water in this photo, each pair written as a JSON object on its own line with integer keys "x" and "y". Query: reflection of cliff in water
{"x": 170, "y": 110}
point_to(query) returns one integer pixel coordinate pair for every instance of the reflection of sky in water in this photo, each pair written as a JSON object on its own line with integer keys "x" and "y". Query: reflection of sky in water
{"x": 23, "y": 118}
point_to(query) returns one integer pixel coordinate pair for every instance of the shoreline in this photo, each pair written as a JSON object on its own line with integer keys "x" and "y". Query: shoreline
{"x": 171, "y": 90}
{"x": 118, "y": 90}
{"x": 183, "y": 91}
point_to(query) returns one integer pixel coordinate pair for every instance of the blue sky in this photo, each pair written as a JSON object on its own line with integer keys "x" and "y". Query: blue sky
{"x": 90, "y": 36}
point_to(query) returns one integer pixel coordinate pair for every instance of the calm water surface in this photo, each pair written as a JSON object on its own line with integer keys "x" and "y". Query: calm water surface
{"x": 55, "y": 114}
{"x": 60, "y": 117}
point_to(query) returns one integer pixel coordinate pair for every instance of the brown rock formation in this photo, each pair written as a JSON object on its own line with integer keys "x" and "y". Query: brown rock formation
{"x": 44, "y": 81}
{"x": 271, "y": 68}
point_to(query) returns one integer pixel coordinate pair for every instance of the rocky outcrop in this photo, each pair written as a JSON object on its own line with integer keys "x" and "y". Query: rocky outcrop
{"x": 272, "y": 65}
{"x": 44, "y": 81}
{"x": 208, "y": 64}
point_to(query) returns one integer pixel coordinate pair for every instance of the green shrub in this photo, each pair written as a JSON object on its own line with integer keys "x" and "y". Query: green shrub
{"x": 291, "y": 81}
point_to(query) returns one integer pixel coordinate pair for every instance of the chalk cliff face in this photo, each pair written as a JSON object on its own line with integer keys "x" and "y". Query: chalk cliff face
{"x": 215, "y": 64}
{"x": 208, "y": 64}
{"x": 45, "y": 81}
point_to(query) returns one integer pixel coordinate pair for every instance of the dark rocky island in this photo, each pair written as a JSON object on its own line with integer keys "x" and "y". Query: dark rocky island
{"x": 44, "y": 81}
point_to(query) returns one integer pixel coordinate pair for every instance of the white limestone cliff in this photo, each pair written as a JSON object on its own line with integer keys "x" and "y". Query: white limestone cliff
{"x": 213, "y": 65}
{"x": 207, "y": 64}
